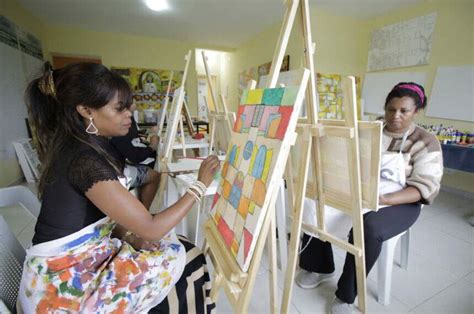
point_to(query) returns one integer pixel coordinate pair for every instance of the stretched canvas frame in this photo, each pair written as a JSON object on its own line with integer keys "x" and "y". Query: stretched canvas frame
{"x": 256, "y": 158}
{"x": 173, "y": 120}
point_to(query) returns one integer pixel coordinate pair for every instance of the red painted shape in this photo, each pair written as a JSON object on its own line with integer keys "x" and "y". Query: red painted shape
{"x": 240, "y": 111}
{"x": 285, "y": 120}
{"x": 247, "y": 241}
{"x": 226, "y": 233}
{"x": 214, "y": 201}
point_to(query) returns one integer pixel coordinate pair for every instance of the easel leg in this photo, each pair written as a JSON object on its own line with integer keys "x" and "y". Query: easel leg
{"x": 297, "y": 221}
{"x": 280, "y": 210}
{"x": 273, "y": 265}
{"x": 212, "y": 136}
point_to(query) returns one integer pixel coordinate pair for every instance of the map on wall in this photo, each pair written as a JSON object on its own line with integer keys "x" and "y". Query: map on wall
{"x": 403, "y": 44}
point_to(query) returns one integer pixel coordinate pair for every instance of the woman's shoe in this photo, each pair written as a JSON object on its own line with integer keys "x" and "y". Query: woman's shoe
{"x": 310, "y": 280}
{"x": 340, "y": 307}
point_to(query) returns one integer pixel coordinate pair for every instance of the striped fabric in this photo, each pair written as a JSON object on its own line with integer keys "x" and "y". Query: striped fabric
{"x": 191, "y": 292}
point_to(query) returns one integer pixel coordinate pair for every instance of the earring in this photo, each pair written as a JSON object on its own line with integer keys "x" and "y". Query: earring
{"x": 91, "y": 128}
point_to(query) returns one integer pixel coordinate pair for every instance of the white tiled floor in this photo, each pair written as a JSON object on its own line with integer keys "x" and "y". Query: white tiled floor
{"x": 439, "y": 279}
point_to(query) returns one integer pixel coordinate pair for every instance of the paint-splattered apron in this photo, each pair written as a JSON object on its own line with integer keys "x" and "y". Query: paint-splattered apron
{"x": 90, "y": 272}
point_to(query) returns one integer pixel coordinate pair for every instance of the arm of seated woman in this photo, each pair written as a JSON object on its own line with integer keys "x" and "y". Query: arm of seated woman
{"x": 408, "y": 195}
{"x": 121, "y": 206}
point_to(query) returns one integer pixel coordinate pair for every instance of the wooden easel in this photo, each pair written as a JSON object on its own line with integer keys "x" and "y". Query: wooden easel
{"x": 161, "y": 121}
{"x": 166, "y": 149}
{"x": 221, "y": 121}
{"x": 316, "y": 147}
{"x": 238, "y": 284}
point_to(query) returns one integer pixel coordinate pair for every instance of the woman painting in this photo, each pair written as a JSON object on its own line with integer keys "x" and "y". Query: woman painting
{"x": 96, "y": 248}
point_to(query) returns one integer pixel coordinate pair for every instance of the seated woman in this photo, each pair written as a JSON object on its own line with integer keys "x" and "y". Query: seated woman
{"x": 411, "y": 171}
{"x": 139, "y": 158}
{"x": 96, "y": 248}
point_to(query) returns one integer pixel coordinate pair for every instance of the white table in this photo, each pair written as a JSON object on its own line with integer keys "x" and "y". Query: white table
{"x": 190, "y": 143}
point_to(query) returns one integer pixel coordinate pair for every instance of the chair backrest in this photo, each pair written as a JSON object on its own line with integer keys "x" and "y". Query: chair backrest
{"x": 12, "y": 256}
{"x": 20, "y": 195}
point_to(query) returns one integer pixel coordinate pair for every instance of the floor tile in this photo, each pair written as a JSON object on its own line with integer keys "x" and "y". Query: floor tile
{"x": 458, "y": 298}
{"x": 420, "y": 281}
{"x": 470, "y": 278}
{"x": 439, "y": 248}
{"x": 373, "y": 306}
{"x": 454, "y": 223}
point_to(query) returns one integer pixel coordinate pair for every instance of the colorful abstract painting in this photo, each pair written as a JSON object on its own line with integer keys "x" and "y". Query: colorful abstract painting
{"x": 149, "y": 89}
{"x": 256, "y": 157}
{"x": 329, "y": 88}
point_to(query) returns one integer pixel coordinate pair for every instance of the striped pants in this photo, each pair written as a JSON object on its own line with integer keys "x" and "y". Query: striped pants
{"x": 191, "y": 292}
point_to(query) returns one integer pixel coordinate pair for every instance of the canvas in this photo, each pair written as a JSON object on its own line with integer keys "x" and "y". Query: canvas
{"x": 329, "y": 88}
{"x": 173, "y": 120}
{"x": 256, "y": 157}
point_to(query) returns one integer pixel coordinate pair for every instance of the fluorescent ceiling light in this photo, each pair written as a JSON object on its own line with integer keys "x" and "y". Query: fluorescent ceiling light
{"x": 157, "y": 5}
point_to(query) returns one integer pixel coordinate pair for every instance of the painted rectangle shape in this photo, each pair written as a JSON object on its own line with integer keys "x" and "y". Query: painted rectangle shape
{"x": 256, "y": 157}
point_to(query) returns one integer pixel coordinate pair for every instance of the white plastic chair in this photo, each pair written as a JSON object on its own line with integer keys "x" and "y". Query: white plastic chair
{"x": 12, "y": 253}
{"x": 12, "y": 256}
{"x": 20, "y": 195}
{"x": 385, "y": 264}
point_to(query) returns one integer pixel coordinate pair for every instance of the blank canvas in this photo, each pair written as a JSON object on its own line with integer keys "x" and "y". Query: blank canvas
{"x": 452, "y": 94}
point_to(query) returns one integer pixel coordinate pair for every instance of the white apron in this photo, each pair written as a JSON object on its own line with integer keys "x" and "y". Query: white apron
{"x": 392, "y": 179}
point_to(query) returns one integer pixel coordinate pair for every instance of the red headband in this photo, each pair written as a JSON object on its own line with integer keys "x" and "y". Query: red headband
{"x": 414, "y": 88}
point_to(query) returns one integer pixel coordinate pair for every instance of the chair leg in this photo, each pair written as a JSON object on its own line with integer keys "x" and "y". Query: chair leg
{"x": 384, "y": 270}
{"x": 404, "y": 248}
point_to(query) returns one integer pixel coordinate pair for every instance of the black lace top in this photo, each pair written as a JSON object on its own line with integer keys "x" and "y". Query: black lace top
{"x": 65, "y": 209}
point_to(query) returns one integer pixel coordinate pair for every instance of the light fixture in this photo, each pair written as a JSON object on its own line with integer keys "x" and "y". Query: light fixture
{"x": 157, "y": 5}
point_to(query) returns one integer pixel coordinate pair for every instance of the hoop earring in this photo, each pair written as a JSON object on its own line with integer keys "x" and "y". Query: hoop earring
{"x": 91, "y": 128}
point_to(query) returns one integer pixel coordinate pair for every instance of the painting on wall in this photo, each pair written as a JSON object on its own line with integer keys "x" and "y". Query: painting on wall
{"x": 245, "y": 77}
{"x": 329, "y": 88}
{"x": 256, "y": 156}
{"x": 149, "y": 89}
{"x": 264, "y": 69}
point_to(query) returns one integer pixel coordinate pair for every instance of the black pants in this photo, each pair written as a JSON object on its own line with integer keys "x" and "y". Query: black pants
{"x": 378, "y": 227}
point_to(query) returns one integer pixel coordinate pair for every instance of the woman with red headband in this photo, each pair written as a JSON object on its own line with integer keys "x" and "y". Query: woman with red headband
{"x": 411, "y": 171}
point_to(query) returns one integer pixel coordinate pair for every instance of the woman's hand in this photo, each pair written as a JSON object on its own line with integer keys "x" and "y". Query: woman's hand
{"x": 208, "y": 169}
{"x": 383, "y": 199}
{"x": 140, "y": 244}
{"x": 154, "y": 130}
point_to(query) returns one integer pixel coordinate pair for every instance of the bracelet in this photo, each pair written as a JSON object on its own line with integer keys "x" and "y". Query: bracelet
{"x": 199, "y": 186}
{"x": 194, "y": 195}
{"x": 202, "y": 185}
{"x": 196, "y": 190}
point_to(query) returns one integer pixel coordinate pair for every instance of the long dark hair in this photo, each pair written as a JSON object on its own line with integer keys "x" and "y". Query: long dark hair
{"x": 52, "y": 100}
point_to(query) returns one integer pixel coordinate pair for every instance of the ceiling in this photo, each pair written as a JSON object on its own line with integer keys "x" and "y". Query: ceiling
{"x": 224, "y": 23}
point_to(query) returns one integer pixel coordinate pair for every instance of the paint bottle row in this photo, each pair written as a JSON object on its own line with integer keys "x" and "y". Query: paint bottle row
{"x": 450, "y": 135}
